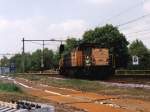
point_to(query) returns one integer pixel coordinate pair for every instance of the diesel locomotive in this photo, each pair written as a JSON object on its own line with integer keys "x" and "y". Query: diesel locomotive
{"x": 88, "y": 60}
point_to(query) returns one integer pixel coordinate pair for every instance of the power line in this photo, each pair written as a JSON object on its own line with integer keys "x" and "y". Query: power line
{"x": 142, "y": 34}
{"x": 125, "y": 11}
{"x": 38, "y": 43}
{"x": 125, "y": 28}
{"x": 134, "y": 20}
{"x": 8, "y": 54}
{"x": 139, "y": 31}
{"x": 35, "y": 43}
{"x": 141, "y": 37}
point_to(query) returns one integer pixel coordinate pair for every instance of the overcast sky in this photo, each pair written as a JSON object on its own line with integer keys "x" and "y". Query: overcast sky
{"x": 47, "y": 19}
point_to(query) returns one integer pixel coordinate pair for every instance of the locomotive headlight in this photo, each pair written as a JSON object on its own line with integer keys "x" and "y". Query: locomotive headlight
{"x": 88, "y": 61}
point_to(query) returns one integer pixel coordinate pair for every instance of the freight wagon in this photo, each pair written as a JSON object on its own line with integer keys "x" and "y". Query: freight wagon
{"x": 88, "y": 60}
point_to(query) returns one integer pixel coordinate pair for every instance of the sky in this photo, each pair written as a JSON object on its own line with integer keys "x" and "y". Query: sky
{"x": 60, "y": 19}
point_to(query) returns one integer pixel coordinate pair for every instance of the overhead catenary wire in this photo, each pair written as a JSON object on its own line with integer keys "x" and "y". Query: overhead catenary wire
{"x": 134, "y": 20}
{"x": 8, "y": 54}
{"x": 142, "y": 34}
{"x": 147, "y": 35}
{"x": 137, "y": 32}
{"x": 35, "y": 43}
{"x": 39, "y": 43}
{"x": 139, "y": 37}
{"x": 129, "y": 27}
{"x": 124, "y": 11}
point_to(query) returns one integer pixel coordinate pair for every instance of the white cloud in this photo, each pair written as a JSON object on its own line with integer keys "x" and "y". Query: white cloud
{"x": 12, "y": 32}
{"x": 147, "y": 6}
{"x": 4, "y": 24}
{"x": 73, "y": 28}
{"x": 99, "y": 1}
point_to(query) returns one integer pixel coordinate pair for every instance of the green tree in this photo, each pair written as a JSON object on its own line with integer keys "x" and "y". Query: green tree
{"x": 139, "y": 49}
{"x": 36, "y": 60}
{"x": 48, "y": 59}
{"x": 110, "y": 37}
{"x": 70, "y": 44}
{"x": 56, "y": 58}
{"x": 4, "y": 61}
{"x": 17, "y": 60}
{"x": 28, "y": 59}
{"x": 33, "y": 61}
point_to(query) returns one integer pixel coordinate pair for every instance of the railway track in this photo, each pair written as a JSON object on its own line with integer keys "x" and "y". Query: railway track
{"x": 25, "y": 106}
{"x": 7, "y": 109}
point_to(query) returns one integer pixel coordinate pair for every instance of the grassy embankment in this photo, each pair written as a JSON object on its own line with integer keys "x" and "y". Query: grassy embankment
{"x": 9, "y": 87}
{"x": 12, "y": 92}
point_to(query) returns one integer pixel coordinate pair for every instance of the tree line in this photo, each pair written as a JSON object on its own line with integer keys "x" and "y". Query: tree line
{"x": 33, "y": 60}
{"x": 107, "y": 36}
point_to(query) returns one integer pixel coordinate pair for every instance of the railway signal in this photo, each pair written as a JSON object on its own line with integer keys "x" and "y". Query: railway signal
{"x": 61, "y": 48}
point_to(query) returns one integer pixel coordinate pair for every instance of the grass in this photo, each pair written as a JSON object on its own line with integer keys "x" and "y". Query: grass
{"x": 12, "y": 92}
{"x": 77, "y": 84}
{"x": 9, "y": 87}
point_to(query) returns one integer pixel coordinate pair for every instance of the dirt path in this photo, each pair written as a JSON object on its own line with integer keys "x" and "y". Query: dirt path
{"x": 90, "y": 102}
{"x": 87, "y": 101}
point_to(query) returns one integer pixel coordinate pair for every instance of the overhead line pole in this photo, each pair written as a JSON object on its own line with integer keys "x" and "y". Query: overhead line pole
{"x": 23, "y": 56}
{"x": 42, "y": 57}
